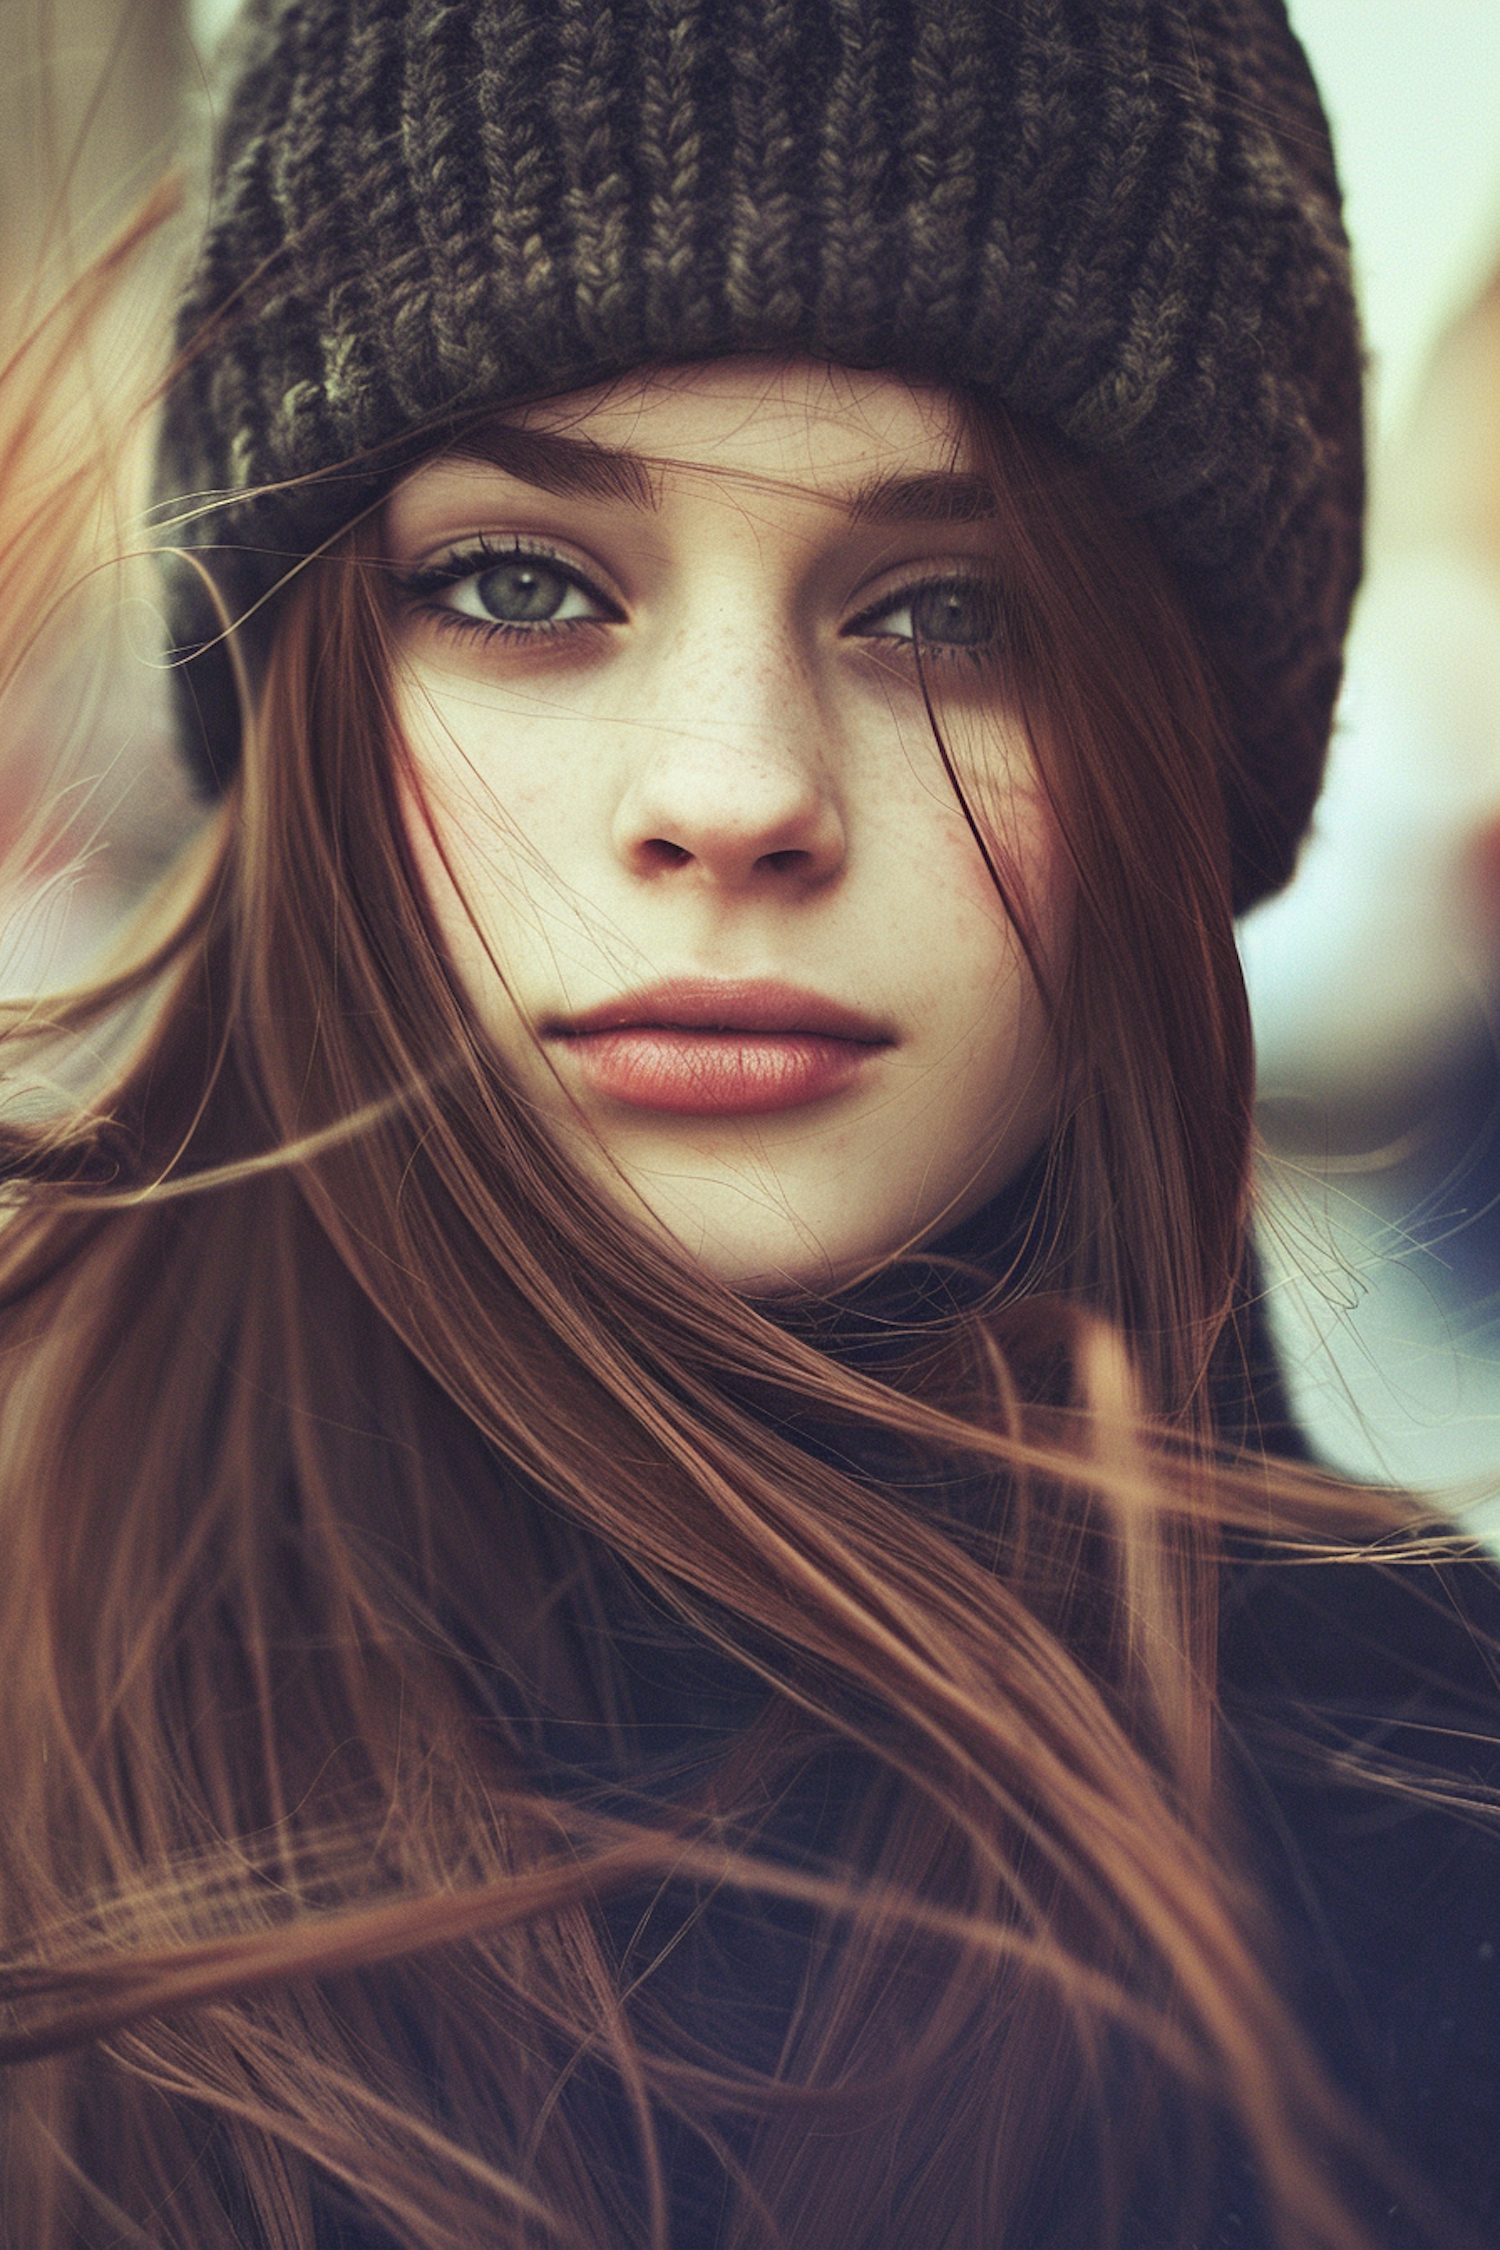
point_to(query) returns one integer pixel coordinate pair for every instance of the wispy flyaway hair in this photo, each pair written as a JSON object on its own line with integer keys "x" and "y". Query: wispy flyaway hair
{"x": 1119, "y": 220}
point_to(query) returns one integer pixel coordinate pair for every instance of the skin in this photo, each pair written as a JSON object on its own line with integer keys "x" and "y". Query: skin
{"x": 713, "y": 760}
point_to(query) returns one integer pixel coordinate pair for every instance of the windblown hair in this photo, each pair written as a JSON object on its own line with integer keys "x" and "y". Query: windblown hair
{"x": 349, "y": 1441}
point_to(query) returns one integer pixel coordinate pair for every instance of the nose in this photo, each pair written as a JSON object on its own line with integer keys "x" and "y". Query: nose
{"x": 734, "y": 788}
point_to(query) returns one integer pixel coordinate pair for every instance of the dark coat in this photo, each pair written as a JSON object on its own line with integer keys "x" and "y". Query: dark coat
{"x": 1386, "y": 1903}
{"x": 1389, "y": 1904}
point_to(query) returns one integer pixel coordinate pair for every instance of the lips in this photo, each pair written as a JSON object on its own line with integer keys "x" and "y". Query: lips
{"x": 711, "y": 1047}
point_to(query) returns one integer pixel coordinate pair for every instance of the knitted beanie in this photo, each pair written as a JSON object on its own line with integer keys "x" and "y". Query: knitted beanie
{"x": 1116, "y": 217}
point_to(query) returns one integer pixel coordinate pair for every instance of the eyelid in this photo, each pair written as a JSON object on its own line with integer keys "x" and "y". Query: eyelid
{"x": 457, "y": 560}
{"x": 919, "y": 580}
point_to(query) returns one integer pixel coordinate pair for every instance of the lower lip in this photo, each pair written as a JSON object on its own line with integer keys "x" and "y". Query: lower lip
{"x": 717, "y": 1073}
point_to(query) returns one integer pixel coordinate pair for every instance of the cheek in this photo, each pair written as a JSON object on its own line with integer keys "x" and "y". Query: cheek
{"x": 1037, "y": 867}
{"x": 452, "y": 892}
{"x": 1014, "y": 954}
{"x": 468, "y": 823}
{"x": 482, "y": 810}
{"x": 1013, "y": 915}
{"x": 479, "y": 772}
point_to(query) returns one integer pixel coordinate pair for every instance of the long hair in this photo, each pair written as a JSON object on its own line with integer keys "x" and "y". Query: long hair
{"x": 358, "y": 1461}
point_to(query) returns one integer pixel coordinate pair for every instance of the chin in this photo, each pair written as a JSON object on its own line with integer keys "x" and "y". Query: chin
{"x": 777, "y": 1257}
{"x": 775, "y": 1228}
{"x": 770, "y": 1268}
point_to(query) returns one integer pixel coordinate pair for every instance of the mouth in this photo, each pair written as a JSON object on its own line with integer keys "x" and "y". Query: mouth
{"x": 716, "y": 1047}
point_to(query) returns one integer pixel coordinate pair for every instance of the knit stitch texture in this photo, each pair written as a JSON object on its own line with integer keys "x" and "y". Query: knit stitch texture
{"x": 1116, "y": 217}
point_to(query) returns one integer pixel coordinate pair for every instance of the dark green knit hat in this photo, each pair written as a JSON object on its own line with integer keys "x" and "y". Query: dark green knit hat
{"x": 1118, "y": 217}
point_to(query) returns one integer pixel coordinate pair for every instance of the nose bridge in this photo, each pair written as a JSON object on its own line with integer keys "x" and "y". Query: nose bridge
{"x": 734, "y": 671}
{"x": 736, "y": 772}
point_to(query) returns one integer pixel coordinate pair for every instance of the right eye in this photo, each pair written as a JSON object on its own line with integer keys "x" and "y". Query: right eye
{"x": 523, "y": 592}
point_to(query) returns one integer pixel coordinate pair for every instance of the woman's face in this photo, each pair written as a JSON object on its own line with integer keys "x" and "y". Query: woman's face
{"x": 683, "y": 818}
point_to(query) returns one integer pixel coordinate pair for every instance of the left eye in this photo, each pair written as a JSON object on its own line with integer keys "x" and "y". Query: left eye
{"x": 947, "y": 613}
{"x": 524, "y": 590}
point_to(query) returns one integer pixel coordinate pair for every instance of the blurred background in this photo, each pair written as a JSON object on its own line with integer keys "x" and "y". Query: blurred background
{"x": 95, "y": 95}
{"x": 1375, "y": 980}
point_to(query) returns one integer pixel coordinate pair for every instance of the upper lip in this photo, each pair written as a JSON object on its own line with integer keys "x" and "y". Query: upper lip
{"x": 724, "y": 1004}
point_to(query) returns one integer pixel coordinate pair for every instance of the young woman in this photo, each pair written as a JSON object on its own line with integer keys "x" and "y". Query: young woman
{"x": 646, "y": 1598}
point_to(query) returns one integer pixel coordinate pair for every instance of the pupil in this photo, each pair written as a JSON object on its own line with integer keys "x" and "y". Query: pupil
{"x": 958, "y": 615}
{"x": 522, "y": 593}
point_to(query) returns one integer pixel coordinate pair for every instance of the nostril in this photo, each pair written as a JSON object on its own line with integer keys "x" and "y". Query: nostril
{"x": 657, "y": 852}
{"x": 783, "y": 863}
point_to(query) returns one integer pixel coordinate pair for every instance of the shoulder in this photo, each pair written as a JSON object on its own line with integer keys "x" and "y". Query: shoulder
{"x": 1362, "y": 1714}
{"x": 1359, "y": 1634}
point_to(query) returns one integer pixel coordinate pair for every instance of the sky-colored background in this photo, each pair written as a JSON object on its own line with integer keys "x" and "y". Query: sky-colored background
{"x": 1413, "y": 89}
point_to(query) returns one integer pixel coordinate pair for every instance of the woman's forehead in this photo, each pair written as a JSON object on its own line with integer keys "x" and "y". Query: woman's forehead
{"x": 871, "y": 444}
{"x": 795, "y": 418}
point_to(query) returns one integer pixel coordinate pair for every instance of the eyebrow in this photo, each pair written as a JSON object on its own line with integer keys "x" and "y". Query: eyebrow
{"x": 569, "y": 468}
{"x": 576, "y": 468}
{"x": 942, "y": 496}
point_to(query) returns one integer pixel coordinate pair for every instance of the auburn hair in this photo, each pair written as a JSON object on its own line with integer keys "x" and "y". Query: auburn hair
{"x": 349, "y": 1441}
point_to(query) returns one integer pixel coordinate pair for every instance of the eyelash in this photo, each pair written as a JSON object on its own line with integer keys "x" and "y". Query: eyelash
{"x": 978, "y": 653}
{"x": 418, "y": 586}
